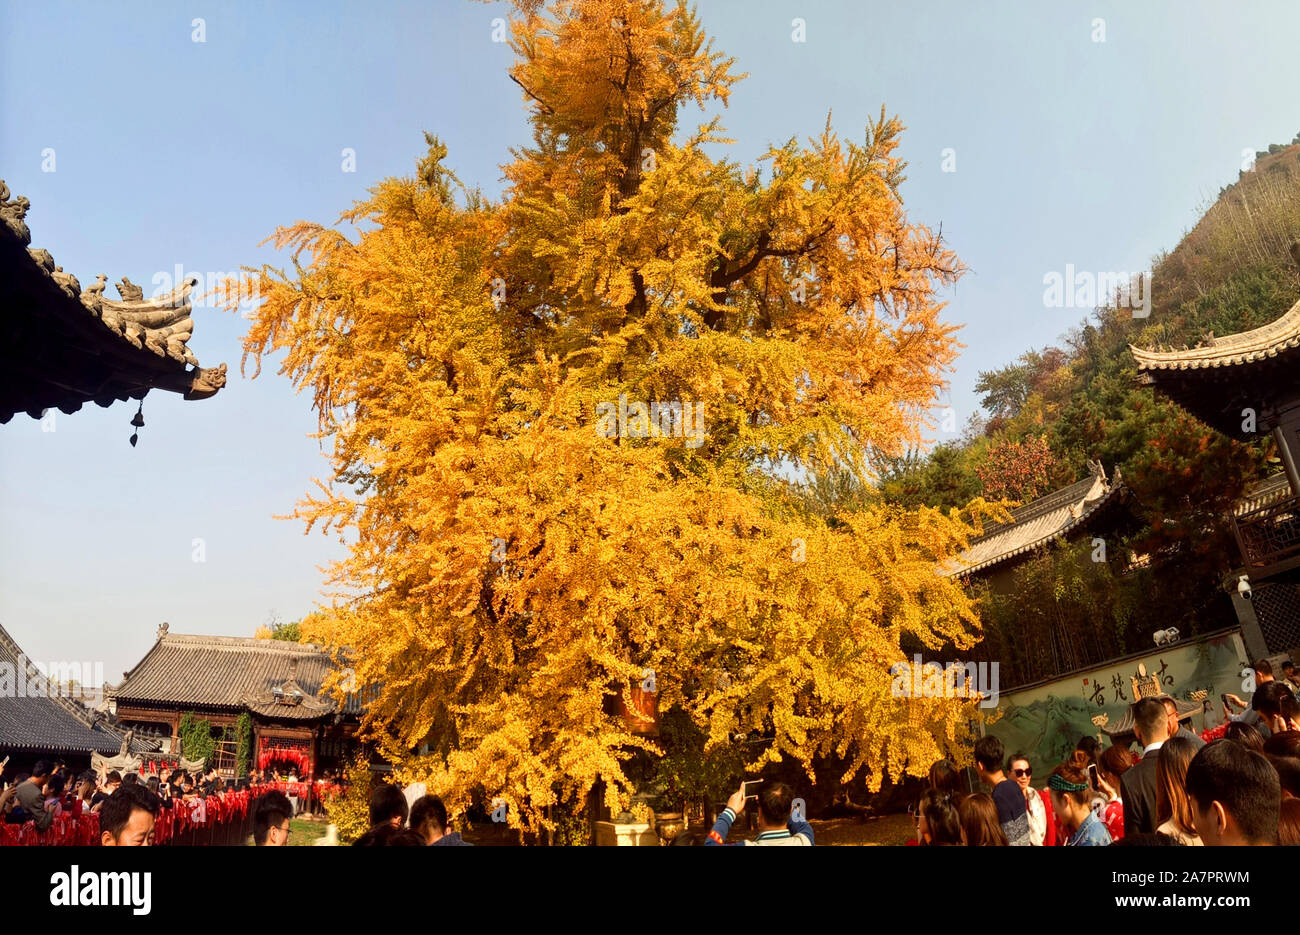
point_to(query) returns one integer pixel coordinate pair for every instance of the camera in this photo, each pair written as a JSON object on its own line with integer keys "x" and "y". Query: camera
{"x": 1243, "y": 587}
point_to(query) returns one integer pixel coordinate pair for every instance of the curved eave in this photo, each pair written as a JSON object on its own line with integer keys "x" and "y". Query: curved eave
{"x": 284, "y": 712}
{"x": 63, "y": 347}
{"x": 1259, "y": 344}
{"x": 1111, "y": 493}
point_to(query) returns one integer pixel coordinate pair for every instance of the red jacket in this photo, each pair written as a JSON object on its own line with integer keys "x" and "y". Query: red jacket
{"x": 1052, "y": 838}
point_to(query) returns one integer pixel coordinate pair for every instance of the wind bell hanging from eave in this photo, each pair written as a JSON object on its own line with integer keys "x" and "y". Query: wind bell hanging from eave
{"x": 138, "y": 422}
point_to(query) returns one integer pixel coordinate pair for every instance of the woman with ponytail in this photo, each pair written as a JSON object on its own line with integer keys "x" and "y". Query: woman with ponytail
{"x": 937, "y": 822}
{"x": 1071, "y": 797}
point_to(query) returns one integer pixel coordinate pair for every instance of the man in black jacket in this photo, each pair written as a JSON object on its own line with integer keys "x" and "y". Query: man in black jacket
{"x": 1138, "y": 785}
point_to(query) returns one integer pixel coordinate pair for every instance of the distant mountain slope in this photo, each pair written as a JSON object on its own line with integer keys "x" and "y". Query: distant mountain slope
{"x": 1052, "y": 410}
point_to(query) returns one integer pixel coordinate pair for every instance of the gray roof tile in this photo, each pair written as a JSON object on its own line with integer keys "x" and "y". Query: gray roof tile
{"x": 232, "y": 672}
{"x": 50, "y": 722}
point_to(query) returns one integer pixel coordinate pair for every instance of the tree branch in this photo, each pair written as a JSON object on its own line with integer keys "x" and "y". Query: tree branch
{"x": 546, "y": 108}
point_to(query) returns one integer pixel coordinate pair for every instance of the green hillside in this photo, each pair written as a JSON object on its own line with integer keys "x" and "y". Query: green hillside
{"x": 1052, "y": 410}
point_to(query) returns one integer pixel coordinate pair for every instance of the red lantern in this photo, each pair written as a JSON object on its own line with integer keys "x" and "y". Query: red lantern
{"x": 643, "y": 715}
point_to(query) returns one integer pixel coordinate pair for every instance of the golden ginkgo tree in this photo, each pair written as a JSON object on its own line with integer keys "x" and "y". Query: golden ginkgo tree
{"x": 568, "y": 427}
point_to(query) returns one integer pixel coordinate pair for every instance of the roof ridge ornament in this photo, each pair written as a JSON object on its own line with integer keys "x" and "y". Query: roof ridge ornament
{"x": 108, "y": 368}
{"x": 13, "y": 212}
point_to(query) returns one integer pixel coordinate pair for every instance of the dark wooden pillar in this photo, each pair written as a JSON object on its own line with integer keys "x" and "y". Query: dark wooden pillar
{"x": 1287, "y": 435}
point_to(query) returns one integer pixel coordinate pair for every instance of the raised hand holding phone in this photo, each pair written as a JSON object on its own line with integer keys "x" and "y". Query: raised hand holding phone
{"x": 737, "y": 801}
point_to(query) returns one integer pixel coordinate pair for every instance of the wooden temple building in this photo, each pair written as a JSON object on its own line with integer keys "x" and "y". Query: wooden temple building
{"x": 1247, "y": 385}
{"x": 296, "y": 727}
{"x": 39, "y": 720}
{"x": 1093, "y": 507}
{"x": 1089, "y": 507}
{"x": 62, "y": 346}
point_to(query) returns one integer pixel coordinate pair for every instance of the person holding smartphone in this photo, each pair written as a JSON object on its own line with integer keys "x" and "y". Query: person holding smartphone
{"x": 85, "y": 790}
{"x": 7, "y": 799}
{"x": 778, "y": 823}
{"x": 1071, "y": 795}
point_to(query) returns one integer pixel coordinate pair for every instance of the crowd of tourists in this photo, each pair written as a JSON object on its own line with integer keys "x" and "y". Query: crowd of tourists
{"x": 127, "y": 803}
{"x": 1173, "y": 789}
{"x": 424, "y": 823}
{"x": 51, "y": 790}
{"x": 1168, "y": 786}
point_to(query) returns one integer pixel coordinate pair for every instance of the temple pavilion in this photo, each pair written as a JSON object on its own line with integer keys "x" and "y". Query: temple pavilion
{"x": 1091, "y": 506}
{"x": 1247, "y": 385}
{"x": 296, "y": 726}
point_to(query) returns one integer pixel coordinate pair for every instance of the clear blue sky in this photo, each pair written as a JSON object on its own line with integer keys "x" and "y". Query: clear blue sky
{"x": 167, "y": 151}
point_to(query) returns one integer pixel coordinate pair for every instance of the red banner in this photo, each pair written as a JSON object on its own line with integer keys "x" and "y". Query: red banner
{"x": 299, "y": 789}
{"x": 282, "y": 750}
{"x": 83, "y": 830}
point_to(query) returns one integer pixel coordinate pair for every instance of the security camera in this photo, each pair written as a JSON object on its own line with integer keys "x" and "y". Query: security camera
{"x": 1162, "y": 637}
{"x": 1243, "y": 587}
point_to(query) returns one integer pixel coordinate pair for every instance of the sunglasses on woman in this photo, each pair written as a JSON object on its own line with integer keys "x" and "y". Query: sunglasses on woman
{"x": 1027, "y": 771}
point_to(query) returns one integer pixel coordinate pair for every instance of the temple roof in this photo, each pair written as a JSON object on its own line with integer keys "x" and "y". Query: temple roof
{"x": 62, "y": 346}
{"x": 1263, "y": 493}
{"x": 273, "y": 678}
{"x": 49, "y": 722}
{"x": 1038, "y": 523}
{"x": 1242, "y": 385}
{"x": 1234, "y": 350}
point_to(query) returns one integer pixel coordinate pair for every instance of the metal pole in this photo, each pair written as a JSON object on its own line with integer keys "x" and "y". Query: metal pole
{"x": 1281, "y": 435}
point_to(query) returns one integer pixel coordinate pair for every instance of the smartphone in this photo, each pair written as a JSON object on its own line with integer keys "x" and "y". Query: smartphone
{"x": 752, "y": 793}
{"x": 1092, "y": 774}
